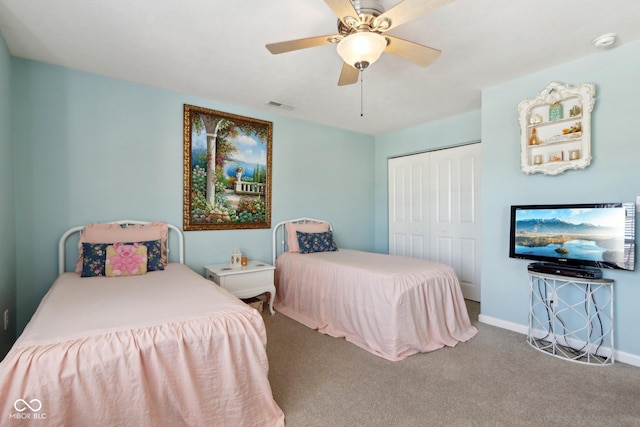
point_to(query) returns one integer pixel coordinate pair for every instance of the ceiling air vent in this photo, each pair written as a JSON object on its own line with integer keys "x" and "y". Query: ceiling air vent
{"x": 281, "y": 105}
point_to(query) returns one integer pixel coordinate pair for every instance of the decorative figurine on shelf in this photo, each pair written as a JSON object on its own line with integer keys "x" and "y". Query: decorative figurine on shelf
{"x": 574, "y": 155}
{"x": 555, "y": 111}
{"x": 575, "y": 128}
{"x": 556, "y": 157}
{"x": 536, "y": 119}
{"x": 533, "y": 139}
{"x": 575, "y": 111}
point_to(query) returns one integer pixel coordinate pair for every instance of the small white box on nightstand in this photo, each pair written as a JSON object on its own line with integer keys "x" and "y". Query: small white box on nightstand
{"x": 245, "y": 282}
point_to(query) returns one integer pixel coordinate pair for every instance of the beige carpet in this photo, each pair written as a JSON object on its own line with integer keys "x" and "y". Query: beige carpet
{"x": 495, "y": 379}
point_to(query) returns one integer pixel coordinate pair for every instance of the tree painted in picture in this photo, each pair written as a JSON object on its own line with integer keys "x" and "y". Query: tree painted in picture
{"x": 211, "y": 185}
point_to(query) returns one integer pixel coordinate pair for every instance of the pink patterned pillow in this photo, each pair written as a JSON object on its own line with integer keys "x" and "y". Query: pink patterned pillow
{"x": 126, "y": 260}
{"x": 309, "y": 227}
{"x": 115, "y": 233}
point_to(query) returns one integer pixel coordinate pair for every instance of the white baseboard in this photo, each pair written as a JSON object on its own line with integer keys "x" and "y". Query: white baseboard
{"x": 628, "y": 358}
{"x": 493, "y": 321}
{"x": 619, "y": 356}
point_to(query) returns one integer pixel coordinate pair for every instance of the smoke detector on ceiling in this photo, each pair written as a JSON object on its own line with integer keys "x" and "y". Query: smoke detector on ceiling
{"x": 604, "y": 41}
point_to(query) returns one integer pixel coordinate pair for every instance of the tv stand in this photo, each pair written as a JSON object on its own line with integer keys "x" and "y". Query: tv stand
{"x": 571, "y": 317}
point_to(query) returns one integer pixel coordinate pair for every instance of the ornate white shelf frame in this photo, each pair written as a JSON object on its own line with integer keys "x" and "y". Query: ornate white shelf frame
{"x": 556, "y": 129}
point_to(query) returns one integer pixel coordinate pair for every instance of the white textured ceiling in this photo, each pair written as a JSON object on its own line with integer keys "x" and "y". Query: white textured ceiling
{"x": 216, "y": 49}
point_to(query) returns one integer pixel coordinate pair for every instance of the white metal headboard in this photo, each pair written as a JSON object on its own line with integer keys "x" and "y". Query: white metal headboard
{"x": 125, "y": 222}
{"x": 280, "y": 235}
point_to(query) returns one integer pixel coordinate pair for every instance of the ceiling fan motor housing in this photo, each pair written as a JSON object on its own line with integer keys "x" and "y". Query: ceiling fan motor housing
{"x": 367, "y": 11}
{"x": 370, "y": 7}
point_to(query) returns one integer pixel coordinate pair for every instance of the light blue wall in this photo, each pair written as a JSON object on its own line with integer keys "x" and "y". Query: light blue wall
{"x": 7, "y": 208}
{"x": 613, "y": 176}
{"x": 461, "y": 129}
{"x": 91, "y": 148}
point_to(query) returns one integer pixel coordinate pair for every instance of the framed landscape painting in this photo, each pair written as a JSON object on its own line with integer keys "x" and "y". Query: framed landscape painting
{"x": 227, "y": 171}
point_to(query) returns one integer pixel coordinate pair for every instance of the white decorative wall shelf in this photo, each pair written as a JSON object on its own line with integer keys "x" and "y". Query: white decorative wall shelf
{"x": 555, "y": 129}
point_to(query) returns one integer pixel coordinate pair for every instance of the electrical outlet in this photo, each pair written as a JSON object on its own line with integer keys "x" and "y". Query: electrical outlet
{"x": 551, "y": 299}
{"x": 6, "y": 319}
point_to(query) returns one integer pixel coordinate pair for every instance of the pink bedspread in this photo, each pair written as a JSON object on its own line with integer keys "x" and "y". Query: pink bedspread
{"x": 168, "y": 348}
{"x": 389, "y": 305}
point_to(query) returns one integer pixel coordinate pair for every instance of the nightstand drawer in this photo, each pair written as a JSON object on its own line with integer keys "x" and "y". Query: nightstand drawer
{"x": 243, "y": 282}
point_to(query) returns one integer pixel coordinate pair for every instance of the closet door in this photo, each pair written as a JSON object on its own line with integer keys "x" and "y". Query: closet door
{"x": 455, "y": 214}
{"x": 434, "y": 210}
{"x": 408, "y": 207}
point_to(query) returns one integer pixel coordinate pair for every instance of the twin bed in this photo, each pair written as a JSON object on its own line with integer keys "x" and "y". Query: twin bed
{"x": 391, "y": 306}
{"x": 157, "y": 344}
{"x": 163, "y": 348}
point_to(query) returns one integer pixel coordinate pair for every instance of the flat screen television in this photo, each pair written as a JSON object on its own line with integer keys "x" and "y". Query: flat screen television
{"x": 600, "y": 235}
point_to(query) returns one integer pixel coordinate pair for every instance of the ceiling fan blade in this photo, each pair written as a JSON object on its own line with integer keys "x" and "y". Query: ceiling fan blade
{"x": 414, "y": 52}
{"x": 342, "y": 9}
{"x": 407, "y": 10}
{"x": 348, "y": 75}
{"x": 288, "y": 46}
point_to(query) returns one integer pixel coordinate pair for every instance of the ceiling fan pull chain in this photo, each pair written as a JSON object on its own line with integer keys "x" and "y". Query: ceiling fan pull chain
{"x": 361, "y": 103}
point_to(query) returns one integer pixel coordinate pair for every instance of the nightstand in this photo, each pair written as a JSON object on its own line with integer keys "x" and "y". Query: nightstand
{"x": 245, "y": 282}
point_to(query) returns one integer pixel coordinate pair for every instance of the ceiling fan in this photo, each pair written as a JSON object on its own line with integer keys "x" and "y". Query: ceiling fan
{"x": 362, "y": 37}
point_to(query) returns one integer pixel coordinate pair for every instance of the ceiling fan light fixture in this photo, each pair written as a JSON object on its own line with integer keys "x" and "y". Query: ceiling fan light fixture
{"x": 361, "y": 49}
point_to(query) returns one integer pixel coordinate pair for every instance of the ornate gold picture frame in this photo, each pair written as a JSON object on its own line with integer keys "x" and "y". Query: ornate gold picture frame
{"x": 227, "y": 171}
